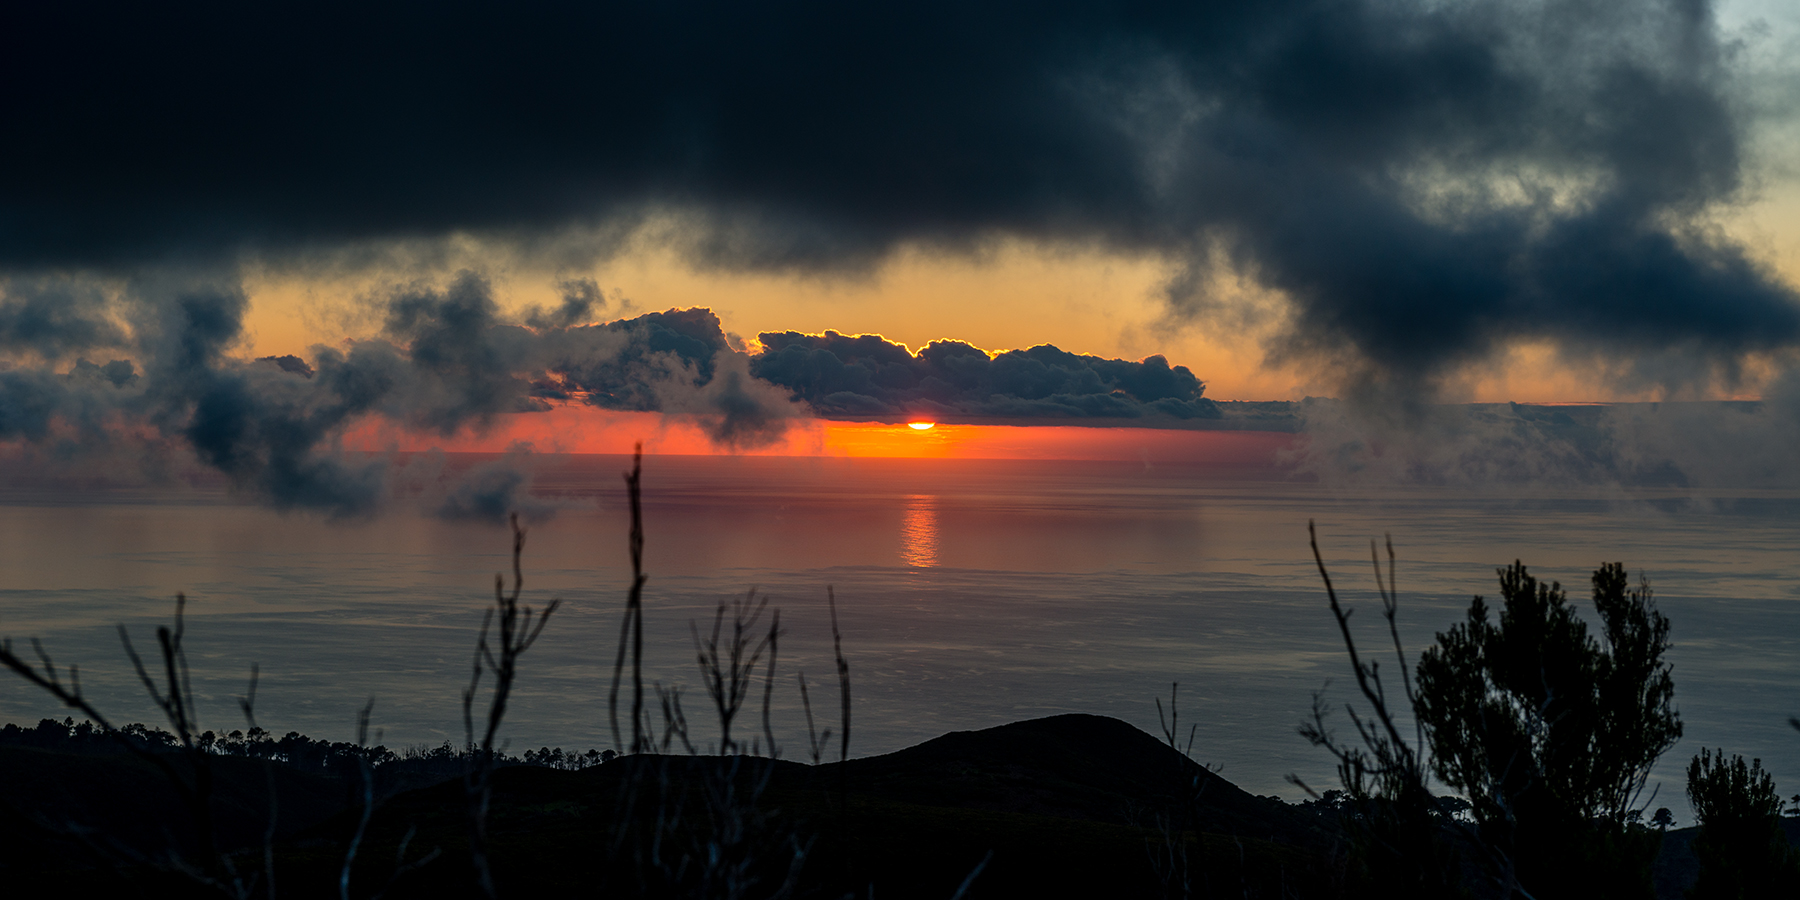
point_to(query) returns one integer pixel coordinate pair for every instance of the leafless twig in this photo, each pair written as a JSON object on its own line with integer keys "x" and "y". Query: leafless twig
{"x": 727, "y": 669}
{"x": 176, "y": 700}
{"x": 247, "y": 705}
{"x": 1386, "y": 770}
{"x": 843, "y": 670}
{"x": 631, "y": 631}
{"x": 815, "y": 741}
{"x": 367, "y": 799}
{"x": 519, "y": 629}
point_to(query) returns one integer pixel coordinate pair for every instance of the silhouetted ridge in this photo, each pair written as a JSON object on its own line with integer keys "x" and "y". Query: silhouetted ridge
{"x": 1064, "y": 803}
{"x": 1070, "y": 766}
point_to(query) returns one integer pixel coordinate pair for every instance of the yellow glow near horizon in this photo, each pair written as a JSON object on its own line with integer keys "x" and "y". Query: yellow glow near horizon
{"x": 921, "y": 426}
{"x": 1007, "y": 295}
{"x": 1011, "y": 295}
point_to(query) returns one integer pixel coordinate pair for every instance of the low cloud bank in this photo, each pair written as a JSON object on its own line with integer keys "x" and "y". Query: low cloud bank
{"x": 137, "y": 379}
{"x": 446, "y": 361}
{"x": 1701, "y": 445}
{"x": 868, "y": 376}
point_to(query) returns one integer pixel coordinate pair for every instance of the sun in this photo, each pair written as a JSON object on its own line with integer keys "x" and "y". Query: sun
{"x": 921, "y": 426}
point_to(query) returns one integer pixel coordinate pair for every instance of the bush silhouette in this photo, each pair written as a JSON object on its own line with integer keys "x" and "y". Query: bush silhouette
{"x": 1742, "y": 848}
{"x": 1551, "y": 732}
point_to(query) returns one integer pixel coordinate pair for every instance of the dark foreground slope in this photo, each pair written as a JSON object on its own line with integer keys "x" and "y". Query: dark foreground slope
{"x": 1677, "y": 867}
{"x": 1058, "y": 806}
{"x": 1070, "y": 805}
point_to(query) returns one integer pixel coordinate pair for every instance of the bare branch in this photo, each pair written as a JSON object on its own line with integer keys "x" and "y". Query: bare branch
{"x": 519, "y": 628}
{"x": 631, "y": 630}
{"x": 843, "y": 670}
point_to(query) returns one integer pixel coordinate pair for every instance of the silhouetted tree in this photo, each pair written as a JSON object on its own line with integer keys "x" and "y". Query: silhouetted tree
{"x": 1551, "y": 732}
{"x": 1742, "y": 848}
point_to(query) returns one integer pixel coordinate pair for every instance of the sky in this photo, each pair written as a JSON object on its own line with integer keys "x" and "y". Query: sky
{"x": 437, "y": 210}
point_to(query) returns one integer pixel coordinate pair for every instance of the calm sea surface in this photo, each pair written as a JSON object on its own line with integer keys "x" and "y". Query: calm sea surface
{"x": 970, "y": 593}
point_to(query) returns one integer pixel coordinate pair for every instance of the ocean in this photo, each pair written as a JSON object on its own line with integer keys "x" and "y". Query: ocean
{"x": 970, "y": 593}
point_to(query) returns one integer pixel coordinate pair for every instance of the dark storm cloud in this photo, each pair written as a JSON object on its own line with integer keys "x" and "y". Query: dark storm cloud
{"x": 868, "y": 376}
{"x": 463, "y": 361}
{"x": 261, "y": 426}
{"x": 1425, "y": 181}
{"x": 640, "y": 355}
{"x": 679, "y": 362}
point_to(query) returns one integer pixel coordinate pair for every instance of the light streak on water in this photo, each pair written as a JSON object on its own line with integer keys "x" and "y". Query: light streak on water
{"x": 919, "y": 532}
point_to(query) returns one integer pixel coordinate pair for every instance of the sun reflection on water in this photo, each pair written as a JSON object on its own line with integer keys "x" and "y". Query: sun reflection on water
{"x": 919, "y": 532}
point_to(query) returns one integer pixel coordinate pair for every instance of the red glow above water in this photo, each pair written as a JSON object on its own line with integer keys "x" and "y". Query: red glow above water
{"x": 573, "y": 429}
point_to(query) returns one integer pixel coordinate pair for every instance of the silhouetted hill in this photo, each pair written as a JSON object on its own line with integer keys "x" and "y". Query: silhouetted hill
{"x": 1071, "y": 766}
{"x": 1066, "y": 806}
{"x": 1062, "y": 804}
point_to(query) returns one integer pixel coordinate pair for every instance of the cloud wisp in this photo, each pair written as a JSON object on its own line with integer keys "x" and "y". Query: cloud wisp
{"x": 1513, "y": 447}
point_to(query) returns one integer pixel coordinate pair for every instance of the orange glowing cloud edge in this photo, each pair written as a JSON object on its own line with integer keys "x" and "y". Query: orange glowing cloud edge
{"x": 577, "y": 429}
{"x": 754, "y": 344}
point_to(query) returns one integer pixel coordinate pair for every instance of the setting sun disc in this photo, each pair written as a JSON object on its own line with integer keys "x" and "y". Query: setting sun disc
{"x": 921, "y": 426}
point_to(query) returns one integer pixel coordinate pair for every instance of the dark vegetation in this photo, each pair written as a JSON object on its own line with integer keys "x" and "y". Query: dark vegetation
{"x": 1551, "y": 732}
{"x": 1511, "y": 762}
{"x": 1548, "y": 733}
{"x": 1742, "y": 849}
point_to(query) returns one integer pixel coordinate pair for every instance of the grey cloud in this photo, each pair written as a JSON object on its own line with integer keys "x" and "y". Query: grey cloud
{"x": 462, "y": 364}
{"x": 735, "y": 408}
{"x": 55, "y": 317}
{"x": 463, "y": 361}
{"x": 28, "y": 401}
{"x": 582, "y": 300}
{"x": 620, "y": 365}
{"x": 266, "y": 429}
{"x": 445, "y": 361}
{"x": 291, "y": 364}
